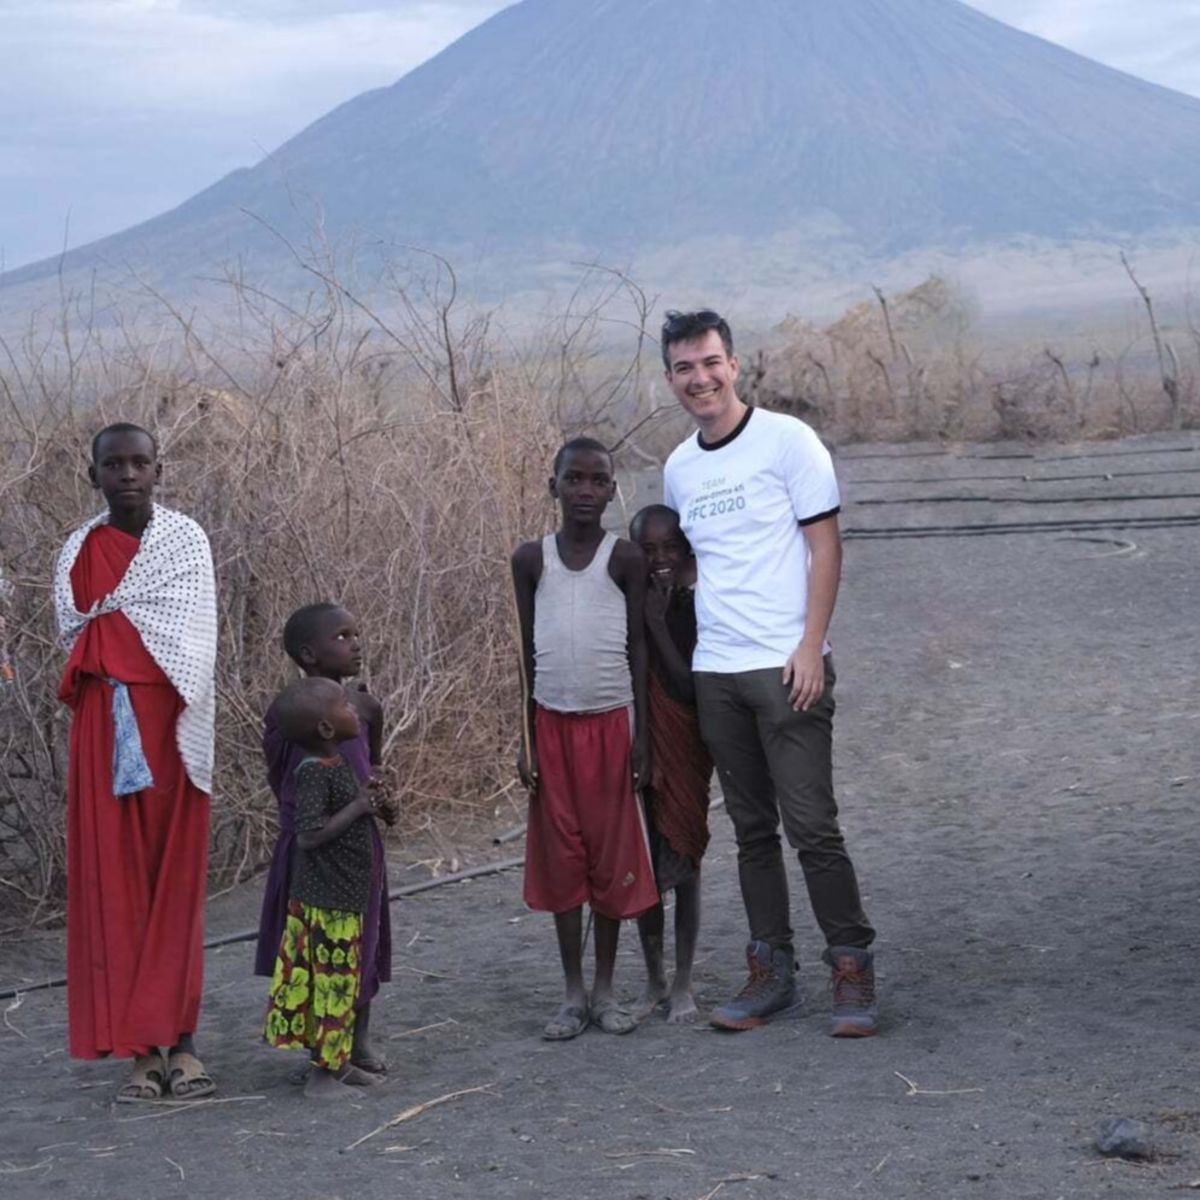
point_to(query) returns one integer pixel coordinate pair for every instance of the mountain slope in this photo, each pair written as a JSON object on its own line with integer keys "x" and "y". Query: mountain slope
{"x": 617, "y": 124}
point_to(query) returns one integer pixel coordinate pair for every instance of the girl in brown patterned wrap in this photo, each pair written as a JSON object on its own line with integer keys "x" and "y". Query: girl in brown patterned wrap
{"x": 677, "y": 796}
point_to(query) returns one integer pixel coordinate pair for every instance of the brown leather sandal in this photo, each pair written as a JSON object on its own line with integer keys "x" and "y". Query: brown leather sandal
{"x": 187, "y": 1077}
{"x": 146, "y": 1081}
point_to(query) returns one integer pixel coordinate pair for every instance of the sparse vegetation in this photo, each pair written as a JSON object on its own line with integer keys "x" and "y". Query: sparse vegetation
{"x": 910, "y": 367}
{"x": 394, "y": 463}
{"x": 330, "y": 458}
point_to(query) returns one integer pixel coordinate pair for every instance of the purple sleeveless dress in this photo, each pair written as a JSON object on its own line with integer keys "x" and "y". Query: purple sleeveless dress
{"x": 282, "y": 760}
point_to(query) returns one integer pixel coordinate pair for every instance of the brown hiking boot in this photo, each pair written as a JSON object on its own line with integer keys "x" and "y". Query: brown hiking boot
{"x": 770, "y": 989}
{"x": 853, "y": 985}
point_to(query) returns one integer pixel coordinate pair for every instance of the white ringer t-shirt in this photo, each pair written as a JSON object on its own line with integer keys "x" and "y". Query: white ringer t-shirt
{"x": 742, "y": 502}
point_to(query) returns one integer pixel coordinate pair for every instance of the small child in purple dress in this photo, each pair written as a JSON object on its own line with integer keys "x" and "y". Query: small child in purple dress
{"x": 314, "y": 996}
{"x": 324, "y": 642}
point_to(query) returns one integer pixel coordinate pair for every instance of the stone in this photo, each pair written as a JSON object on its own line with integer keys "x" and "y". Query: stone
{"x": 1122, "y": 1137}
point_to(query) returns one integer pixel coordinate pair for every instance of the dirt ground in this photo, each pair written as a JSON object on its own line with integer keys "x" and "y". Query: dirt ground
{"x": 1018, "y": 753}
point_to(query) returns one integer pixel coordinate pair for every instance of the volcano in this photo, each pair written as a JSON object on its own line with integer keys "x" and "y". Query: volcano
{"x": 612, "y": 127}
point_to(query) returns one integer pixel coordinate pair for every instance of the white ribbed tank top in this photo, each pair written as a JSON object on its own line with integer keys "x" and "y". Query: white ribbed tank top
{"x": 580, "y": 634}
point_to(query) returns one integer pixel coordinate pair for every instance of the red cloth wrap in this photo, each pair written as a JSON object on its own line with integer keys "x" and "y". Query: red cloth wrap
{"x": 680, "y": 773}
{"x": 586, "y": 840}
{"x": 136, "y": 866}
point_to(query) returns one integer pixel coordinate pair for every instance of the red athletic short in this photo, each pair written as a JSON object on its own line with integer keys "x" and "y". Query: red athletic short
{"x": 587, "y": 838}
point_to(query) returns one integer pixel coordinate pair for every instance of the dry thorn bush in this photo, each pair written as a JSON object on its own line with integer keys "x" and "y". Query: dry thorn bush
{"x": 909, "y": 367}
{"x": 329, "y": 458}
{"x": 392, "y": 463}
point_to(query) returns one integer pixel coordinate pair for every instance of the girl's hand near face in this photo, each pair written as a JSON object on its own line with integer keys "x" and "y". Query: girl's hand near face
{"x": 658, "y": 601}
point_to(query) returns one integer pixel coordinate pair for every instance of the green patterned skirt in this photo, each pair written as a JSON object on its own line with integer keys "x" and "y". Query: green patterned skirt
{"x": 315, "y": 986}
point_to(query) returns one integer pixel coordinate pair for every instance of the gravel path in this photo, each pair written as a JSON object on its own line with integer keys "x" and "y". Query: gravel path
{"x": 1019, "y": 769}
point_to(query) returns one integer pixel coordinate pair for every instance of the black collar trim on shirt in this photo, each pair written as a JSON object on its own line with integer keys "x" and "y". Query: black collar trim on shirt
{"x": 729, "y": 436}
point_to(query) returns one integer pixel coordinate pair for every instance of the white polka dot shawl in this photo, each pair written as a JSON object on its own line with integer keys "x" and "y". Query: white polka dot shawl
{"x": 170, "y": 597}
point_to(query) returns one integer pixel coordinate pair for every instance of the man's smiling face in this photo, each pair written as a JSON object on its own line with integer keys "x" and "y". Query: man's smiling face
{"x": 702, "y": 376}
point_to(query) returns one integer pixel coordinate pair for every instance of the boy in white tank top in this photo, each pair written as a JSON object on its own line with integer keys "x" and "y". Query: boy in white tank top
{"x": 580, "y": 593}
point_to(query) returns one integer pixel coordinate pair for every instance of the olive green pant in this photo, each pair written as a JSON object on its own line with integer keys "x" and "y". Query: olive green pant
{"x": 773, "y": 763}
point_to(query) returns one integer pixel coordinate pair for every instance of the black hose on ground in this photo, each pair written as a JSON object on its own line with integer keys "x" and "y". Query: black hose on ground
{"x": 248, "y": 935}
{"x": 869, "y": 502}
{"x": 920, "y": 531}
{"x": 1082, "y": 524}
{"x": 1106, "y": 475}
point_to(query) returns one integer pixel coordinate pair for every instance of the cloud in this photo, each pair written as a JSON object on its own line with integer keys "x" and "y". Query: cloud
{"x": 1157, "y": 40}
{"x": 114, "y": 110}
{"x": 234, "y": 57}
{"x": 289, "y": 11}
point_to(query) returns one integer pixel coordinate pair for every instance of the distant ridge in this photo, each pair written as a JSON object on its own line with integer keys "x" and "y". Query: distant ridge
{"x": 617, "y": 127}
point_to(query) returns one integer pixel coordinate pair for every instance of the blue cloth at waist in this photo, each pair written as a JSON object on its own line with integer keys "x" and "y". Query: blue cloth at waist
{"x": 131, "y": 771}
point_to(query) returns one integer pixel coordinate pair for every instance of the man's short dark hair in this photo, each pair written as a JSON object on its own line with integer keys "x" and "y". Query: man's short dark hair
{"x": 122, "y": 427}
{"x": 688, "y": 326}
{"x": 580, "y": 443}
{"x": 303, "y": 625}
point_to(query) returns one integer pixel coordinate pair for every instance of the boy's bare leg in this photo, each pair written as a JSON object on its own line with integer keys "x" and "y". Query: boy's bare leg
{"x": 572, "y": 1018}
{"x": 681, "y": 1008}
{"x": 362, "y": 1054}
{"x": 608, "y": 932}
{"x": 607, "y": 1014}
{"x": 650, "y": 931}
{"x": 569, "y": 927}
{"x": 185, "y": 1045}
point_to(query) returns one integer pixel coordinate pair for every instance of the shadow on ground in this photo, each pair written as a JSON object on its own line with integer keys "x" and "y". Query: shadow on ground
{"x": 1018, "y": 761}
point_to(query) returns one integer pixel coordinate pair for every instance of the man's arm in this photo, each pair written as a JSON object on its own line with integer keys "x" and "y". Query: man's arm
{"x": 527, "y": 570}
{"x": 629, "y": 572}
{"x": 804, "y": 673}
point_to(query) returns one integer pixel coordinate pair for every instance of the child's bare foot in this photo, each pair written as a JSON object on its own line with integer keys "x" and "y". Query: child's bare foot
{"x": 681, "y": 1008}
{"x": 324, "y": 1085}
{"x": 357, "y": 1076}
{"x": 365, "y": 1058}
{"x": 648, "y": 1002}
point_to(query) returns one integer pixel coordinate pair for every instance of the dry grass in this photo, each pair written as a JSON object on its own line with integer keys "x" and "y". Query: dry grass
{"x": 909, "y": 367}
{"x": 393, "y": 465}
{"x": 330, "y": 462}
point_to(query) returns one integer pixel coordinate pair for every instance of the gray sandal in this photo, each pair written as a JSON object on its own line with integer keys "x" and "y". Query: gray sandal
{"x": 147, "y": 1081}
{"x": 569, "y": 1022}
{"x": 612, "y": 1018}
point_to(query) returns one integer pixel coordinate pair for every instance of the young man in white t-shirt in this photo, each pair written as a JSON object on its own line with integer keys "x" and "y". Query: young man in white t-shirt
{"x": 758, "y": 500}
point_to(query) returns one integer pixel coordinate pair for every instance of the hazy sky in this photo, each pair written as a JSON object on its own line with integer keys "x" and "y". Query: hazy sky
{"x": 114, "y": 110}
